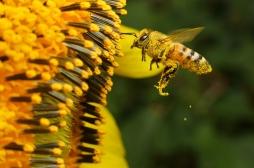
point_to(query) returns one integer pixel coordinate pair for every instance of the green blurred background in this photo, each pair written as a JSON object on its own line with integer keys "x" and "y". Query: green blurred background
{"x": 207, "y": 121}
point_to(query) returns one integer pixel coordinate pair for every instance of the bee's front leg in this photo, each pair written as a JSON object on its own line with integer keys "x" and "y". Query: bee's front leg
{"x": 167, "y": 74}
{"x": 144, "y": 54}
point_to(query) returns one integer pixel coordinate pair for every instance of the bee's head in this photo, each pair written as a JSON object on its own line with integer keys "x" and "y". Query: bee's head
{"x": 142, "y": 38}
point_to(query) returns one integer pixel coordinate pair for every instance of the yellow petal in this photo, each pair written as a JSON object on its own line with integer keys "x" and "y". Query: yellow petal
{"x": 112, "y": 150}
{"x": 131, "y": 64}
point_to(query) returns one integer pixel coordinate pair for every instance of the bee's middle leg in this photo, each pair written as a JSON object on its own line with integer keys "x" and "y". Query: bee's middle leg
{"x": 154, "y": 60}
{"x": 158, "y": 59}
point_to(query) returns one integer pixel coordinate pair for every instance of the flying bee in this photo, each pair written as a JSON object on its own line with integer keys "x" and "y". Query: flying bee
{"x": 169, "y": 51}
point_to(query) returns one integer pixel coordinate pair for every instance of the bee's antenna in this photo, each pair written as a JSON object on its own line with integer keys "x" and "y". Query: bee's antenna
{"x": 132, "y": 34}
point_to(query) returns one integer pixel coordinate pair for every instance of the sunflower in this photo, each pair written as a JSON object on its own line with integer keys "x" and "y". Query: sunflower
{"x": 57, "y": 59}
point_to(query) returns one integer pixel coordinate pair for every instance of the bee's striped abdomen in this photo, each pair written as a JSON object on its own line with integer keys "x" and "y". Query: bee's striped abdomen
{"x": 190, "y": 59}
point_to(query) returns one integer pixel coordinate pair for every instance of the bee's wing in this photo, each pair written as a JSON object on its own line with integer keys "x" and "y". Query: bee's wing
{"x": 183, "y": 35}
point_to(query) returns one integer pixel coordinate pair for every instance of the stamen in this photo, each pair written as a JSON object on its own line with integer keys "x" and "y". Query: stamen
{"x": 38, "y": 122}
{"x": 87, "y": 108}
{"x": 41, "y": 88}
{"x": 87, "y": 149}
{"x": 109, "y": 15}
{"x": 89, "y": 159}
{"x": 115, "y": 4}
{"x": 101, "y": 40}
{"x": 51, "y": 129}
{"x": 48, "y": 151}
{"x": 96, "y": 98}
{"x": 59, "y": 144}
{"x": 39, "y": 61}
{"x": 19, "y": 147}
{"x": 100, "y": 19}
{"x": 90, "y": 139}
{"x": 20, "y": 99}
{"x": 43, "y": 107}
{"x": 91, "y": 120}
{"x": 23, "y": 76}
{"x": 82, "y": 50}
{"x": 91, "y": 27}
{"x": 51, "y": 114}
{"x": 47, "y": 160}
{"x": 76, "y": 6}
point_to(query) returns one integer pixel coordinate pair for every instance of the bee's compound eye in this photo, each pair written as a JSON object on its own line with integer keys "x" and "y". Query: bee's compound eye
{"x": 143, "y": 37}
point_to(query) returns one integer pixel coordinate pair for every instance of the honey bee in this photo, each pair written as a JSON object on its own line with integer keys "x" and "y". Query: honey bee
{"x": 168, "y": 50}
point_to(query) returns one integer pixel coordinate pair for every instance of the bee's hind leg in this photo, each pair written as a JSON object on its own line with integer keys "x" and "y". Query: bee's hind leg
{"x": 167, "y": 74}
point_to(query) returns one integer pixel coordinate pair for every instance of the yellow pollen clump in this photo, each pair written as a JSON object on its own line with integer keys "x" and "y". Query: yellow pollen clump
{"x": 1, "y": 88}
{"x": 51, "y": 3}
{"x": 46, "y": 76}
{"x": 36, "y": 98}
{"x": 85, "y": 5}
{"x": 84, "y": 74}
{"x": 62, "y": 106}
{"x": 110, "y": 71}
{"x": 93, "y": 55}
{"x": 123, "y": 11}
{"x": 44, "y": 122}
{"x": 5, "y": 24}
{"x": 85, "y": 86}
{"x": 97, "y": 71}
{"x": 108, "y": 43}
{"x": 30, "y": 38}
{"x": 110, "y": 83}
{"x": 98, "y": 60}
{"x": 96, "y": 159}
{"x": 78, "y": 63}
{"x": 115, "y": 64}
{"x": 88, "y": 44}
{"x": 67, "y": 87}
{"x": 53, "y": 129}
{"x": 56, "y": 86}
{"x": 63, "y": 112}
{"x": 63, "y": 124}
{"x": 31, "y": 73}
{"x": 72, "y": 32}
{"x": 108, "y": 29}
{"x": 89, "y": 72}
{"x": 61, "y": 144}
{"x": 28, "y": 148}
{"x": 78, "y": 91}
{"x": 94, "y": 28}
{"x": 98, "y": 51}
{"x": 54, "y": 62}
{"x": 69, "y": 102}
{"x": 68, "y": 65}
{"x": 57, "y": 151}
{"x": 59, "y": 161}
{"x": 59, "y": 37}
